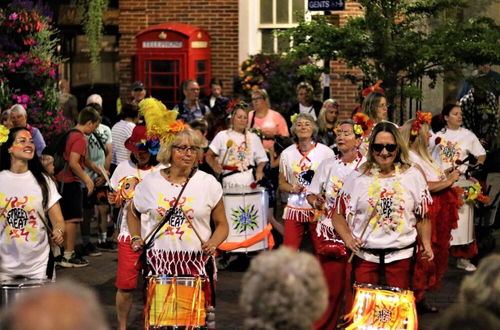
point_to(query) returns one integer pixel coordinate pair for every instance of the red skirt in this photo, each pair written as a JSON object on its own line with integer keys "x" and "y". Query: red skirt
{"x": 443, "y": 214}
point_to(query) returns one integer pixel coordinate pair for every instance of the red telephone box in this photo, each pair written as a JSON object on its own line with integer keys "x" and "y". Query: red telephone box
{"x": 169, "y": 53}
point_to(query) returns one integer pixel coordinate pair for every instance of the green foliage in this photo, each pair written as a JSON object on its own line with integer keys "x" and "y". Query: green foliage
{"x": 93, "y": 27}
{"x": 279, "y": 76}
{"x": 401, "y": 41}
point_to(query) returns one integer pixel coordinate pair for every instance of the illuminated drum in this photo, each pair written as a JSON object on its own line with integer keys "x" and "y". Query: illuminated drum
{"x": 464, "y": 233}
{"x": 382, "y": 307}
{"x": 13, "y": 289}
{"x": 174, "y": 301}
{"x": 246, "y": 212}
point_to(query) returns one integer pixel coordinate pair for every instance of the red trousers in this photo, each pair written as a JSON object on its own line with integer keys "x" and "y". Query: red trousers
{"x": 294, "y": 232}
{"x": 397, "y": 273}
{"x": 334, "y": 270}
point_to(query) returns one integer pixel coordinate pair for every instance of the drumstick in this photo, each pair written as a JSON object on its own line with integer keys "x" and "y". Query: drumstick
{"x": 229, "y": 144}
{"x": 6, "y": 205}
{"x": 364, "y": 229}
{"x": 105, "y": 175}
{"x": 45, "y": 223}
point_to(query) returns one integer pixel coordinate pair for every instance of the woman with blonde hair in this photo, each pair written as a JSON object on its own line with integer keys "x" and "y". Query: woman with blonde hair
{"x": 327, "y": 121}
{"x": 375, "y": 106}
{"x": 443, "y": 212}
{"x": 382, "y": 208}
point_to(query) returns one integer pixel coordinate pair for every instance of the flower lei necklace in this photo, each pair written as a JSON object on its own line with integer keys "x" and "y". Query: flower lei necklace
{"x": 389, "y": 203}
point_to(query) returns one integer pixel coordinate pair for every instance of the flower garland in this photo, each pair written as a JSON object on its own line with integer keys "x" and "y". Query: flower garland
{"x": 471, "y": 194}
{"x": 389, "y": 204}
{"x": 236, "y": 155}
{"x": 4, "y": 134}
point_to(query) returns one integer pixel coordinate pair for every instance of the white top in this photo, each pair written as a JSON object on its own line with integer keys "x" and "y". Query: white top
{"x": 393, "y": 226}
{"x": 309, "y": 110}
{"x": 328, "y": 180}
{"x": 455, "y": 144}
{"x": 300, "y": 168}
{"x": 121, "y": 131}
{"x": 246, "y": 150}
{"x": 124, "y": 169}
{"x": 155, "y": 195}
{"x": 24, "y": 246}
{"x": 94, "y": 151}
{"x": 432, "y": 172}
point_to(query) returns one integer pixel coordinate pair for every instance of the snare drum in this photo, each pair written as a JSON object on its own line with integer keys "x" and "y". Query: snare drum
{"x": 175, "y": 301}
{"x": 382, "y": 307}
{"x": 246, "y": 212}
{"x": 13, "y": 289}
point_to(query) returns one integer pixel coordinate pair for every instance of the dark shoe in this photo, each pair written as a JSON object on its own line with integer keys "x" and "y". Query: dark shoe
{"x": 73, "y": 262}
{"x": 424, "y": 307}
{"x": 91, "y": 251}
{"x": 107, "y": 246}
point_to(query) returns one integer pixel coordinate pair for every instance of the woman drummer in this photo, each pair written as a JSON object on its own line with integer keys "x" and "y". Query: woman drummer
{"x": 183, "y": 242}
{"x": 443, "y": 212}
{"x": 322, "y": 195}
{"x": 127, "y": 174}
{"x": 233, "y": 153}
{"x": 27, "y": 193}
{"x": 456, "y": 143}
{"x": 382, "y": 207}
{"x": 298, "y": 163}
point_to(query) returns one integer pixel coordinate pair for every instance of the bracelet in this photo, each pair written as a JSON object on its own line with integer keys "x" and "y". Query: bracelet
{"x": 60, "y": 230}
{"x": 135, "y": 238}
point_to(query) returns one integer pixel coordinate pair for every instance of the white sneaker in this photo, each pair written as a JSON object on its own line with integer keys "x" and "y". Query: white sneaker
{"x": 465, "y": 264}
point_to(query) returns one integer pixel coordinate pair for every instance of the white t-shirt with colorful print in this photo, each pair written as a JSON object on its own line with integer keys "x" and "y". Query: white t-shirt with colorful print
{"x": 329, "y": 180}
{"x": 455, "y": 144}
{"x": 398, "y": 199}
{"x": 245, "y": 150}
{"x": 24, "y": 245}
{"x": 128, "y": 169}
{"x": 177, "y": 249}
{"x": 299, "y": 168}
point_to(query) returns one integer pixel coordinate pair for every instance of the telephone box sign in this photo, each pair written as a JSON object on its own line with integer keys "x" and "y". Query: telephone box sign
{"x": 162, "y": 44}
{"x": 320, "y": 5}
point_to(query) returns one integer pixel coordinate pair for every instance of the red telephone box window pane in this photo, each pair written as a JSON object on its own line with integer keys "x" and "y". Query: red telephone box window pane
{"x": 200, "y": 78}
{"x": 163, "y": 78}
{"x": 201, "y": 66}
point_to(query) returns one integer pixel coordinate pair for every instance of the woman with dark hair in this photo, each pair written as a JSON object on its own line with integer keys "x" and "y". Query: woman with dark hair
{"x": 451, "y": 145}
{"x": 388, "y": 197}
{"x": 322, "y": 195}
{"x": 27, "y": 193}
{"x": 298, "y": 164}
{"x": 443, "y": 212}
{"x": 126, "y": 175}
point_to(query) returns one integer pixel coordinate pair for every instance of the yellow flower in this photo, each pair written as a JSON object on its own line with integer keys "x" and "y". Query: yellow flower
{"x": 358, "y": 130}
{"x": 4, "y": 134}
{"x": 293, "y": 117}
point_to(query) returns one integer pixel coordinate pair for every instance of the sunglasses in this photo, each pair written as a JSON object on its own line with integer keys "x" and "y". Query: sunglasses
{"x": 378, "y": 147}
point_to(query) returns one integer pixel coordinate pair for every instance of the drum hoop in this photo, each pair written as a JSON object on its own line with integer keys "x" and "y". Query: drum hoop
{"x": 17, "y": 284}
{"x": 242, "y": 193}
{"x": 392, "y": 289}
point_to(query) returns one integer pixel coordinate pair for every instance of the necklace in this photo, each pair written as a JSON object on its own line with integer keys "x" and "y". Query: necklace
{"x": 388, "y": 201}
{"x": 172, "y": 181}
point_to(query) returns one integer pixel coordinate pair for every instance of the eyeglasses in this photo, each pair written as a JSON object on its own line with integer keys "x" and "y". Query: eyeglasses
{"x": 257, "y": 98}
{"x": 378, "y": 147}
{"x": 185, "y": 149}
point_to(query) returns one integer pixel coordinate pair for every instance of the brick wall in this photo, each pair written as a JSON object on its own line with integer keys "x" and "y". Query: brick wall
{"x": 218, "y": 17}
{"x": 341, "y": 89}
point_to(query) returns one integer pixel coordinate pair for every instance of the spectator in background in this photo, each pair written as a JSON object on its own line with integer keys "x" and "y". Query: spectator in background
{"x": 121, "y": 131}
{"x": 283, "y": 290}
{"x": 138, "y": 92}
{"x": 99, "y": 153}
{"x": 218, "y": 109}
{"x": 269, "y": 122}
{"x": 5, "y": 119}
{"x": 305, "y": 103}
{"x": 375, "y": 106}
{"x": 61, "y": 306}
{"x": 327, "y": 120}
{"x": 68, "y": 101}
{"x": 70, "y": 179}
{"x": 19, "y": 118}
{"x": 489, "y": 79}
{"x": 191, "y": 108}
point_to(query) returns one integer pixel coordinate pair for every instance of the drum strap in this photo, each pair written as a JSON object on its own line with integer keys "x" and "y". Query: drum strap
{"x": 234, "y": 172}
{"x": 381, "y": 255}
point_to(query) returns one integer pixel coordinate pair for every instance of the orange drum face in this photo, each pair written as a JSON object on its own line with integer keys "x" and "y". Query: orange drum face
{"x": 176, "y": 301}
{"x": 126, "y": 188}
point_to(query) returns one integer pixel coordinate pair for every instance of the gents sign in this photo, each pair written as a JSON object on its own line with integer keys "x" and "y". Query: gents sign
{"x": 320, "y": 5}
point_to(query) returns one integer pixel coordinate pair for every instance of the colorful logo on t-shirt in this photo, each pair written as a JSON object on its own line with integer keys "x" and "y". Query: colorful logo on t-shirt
{"x": 390, "y": 210}
{"x": 304, "y": 172}
{"x": 177, "y": 226}
{"x": 449, "y": 151}
{"x": 20, "y": 220}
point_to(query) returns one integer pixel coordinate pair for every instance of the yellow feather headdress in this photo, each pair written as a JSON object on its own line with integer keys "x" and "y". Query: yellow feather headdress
{"x": 161, "y": 122}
